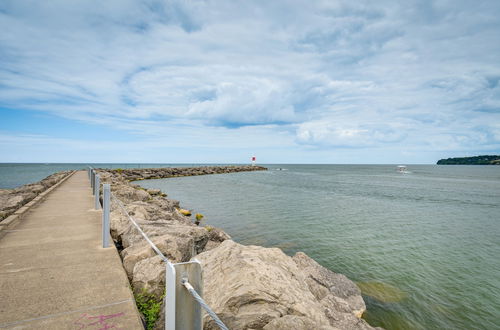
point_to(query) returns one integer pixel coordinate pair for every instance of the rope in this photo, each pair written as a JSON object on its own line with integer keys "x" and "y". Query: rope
{"x": 153, "y": 246}
{"x": 204, "y": 305}
{"x": 186, "y": 284}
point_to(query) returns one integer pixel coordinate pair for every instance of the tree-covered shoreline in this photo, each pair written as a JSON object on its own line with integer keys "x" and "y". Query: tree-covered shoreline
{"x": 475, "y": 160}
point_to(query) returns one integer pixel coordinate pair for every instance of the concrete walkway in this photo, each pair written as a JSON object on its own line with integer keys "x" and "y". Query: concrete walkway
{"x": 54, "y": 274}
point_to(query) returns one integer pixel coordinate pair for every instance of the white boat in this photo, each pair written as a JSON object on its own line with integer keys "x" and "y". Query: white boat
{"x": 401, "y": 169}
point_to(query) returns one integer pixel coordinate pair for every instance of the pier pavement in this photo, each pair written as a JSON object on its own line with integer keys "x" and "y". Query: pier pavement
{"x": 54, "y": 274}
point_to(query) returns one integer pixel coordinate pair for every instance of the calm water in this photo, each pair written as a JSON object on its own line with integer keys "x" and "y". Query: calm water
{"x": 13, "y": 175}
{"x": 425, "y": 245}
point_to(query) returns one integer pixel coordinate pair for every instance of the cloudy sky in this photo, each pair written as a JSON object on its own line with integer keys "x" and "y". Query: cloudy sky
{"x": 219, "y": 81}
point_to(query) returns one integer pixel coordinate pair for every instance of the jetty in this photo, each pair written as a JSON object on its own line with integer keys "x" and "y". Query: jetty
{"x": 54, "y": 272}
{"x": 59, "y": 268}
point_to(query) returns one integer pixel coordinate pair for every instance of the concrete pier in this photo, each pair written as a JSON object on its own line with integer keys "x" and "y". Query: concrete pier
{"x": 54, "y": 273}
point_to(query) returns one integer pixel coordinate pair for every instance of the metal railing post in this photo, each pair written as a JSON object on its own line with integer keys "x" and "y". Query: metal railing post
{"x": 182, "y": 312}
{"x": 183, "y": 287}
{"x": 92, "y": 180}
{"x": 97, "y": 205}
{"x": 106, "y": 193}
{"x": 169, "y": 296}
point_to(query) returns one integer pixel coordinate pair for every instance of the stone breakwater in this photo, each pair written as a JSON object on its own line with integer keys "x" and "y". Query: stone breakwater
{"x": 13, "y": 199}
{"x": 249, "y": 287}
{"x": 169, "y": 172}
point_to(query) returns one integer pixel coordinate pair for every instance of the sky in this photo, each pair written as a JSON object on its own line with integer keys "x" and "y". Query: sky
{"x": 295, "y": 81}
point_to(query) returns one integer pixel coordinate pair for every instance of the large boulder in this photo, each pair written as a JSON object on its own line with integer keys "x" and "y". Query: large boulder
{"x": 18, "y": 200}
{"x": 149, "y": 276}
{"x": 159, "y": 228}
{"x": 13, "y": 202}
{"x": 252, "y": 287}
{"x": 127, "y": 193}
{"x": 175, "y": 248}
{"x": 35, "y": 188}
{"x": 120, "y": 224}
{"x": 331, "y": 288}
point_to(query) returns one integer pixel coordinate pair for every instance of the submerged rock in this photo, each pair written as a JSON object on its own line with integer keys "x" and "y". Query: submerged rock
{"x": 382, "y": 292}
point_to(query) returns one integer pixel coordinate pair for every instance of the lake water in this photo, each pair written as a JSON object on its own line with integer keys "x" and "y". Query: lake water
{"x": 424, "y": 246}
{"x": 13, "y": 175}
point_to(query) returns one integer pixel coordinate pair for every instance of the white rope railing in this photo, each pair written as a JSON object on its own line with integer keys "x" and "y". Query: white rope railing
{"x": 204, "y": 305}
{"x": 153, "y": 246}
{"x": 184, "y": 282}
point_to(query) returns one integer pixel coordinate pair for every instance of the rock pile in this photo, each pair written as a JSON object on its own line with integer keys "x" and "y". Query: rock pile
{"x": 249, "y": 287}
{"x": 13, "y": 199}
{"x": 252, "y": 287}
{"x": 169, "y": 172}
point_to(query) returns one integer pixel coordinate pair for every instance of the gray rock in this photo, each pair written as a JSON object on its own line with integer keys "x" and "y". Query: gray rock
{"x": 252, "y": 287}
{"x": 293, "y": 322}
{"x": 19, "y": 200}
{"x": 215, "y": 237}
{"x": 149, "y": 276}
{"x": 154, "y": 192}
{"x": 176, "y": 249}
{"x": 322, "y": 282}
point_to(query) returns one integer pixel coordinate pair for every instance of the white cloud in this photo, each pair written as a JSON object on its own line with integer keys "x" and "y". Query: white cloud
{"x": 342, "y": 134}
{"x": 320, "y": 73}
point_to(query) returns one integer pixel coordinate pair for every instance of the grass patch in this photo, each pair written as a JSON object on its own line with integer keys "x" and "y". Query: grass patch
{"x": 149, "y": 306}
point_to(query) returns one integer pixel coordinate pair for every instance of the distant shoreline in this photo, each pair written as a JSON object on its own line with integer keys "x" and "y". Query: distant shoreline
{"x": 475, "y": 160}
